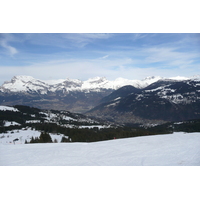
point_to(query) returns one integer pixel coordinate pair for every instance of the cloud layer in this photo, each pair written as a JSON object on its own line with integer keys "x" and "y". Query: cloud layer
{"x": 82, "y": 56}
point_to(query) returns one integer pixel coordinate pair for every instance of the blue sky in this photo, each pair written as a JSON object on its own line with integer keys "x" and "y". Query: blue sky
{"x": 87, "y": 55}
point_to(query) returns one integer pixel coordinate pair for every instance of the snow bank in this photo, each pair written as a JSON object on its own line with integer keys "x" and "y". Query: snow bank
{"x": 160, "y": 150}
{"x": 94, "y": 126}
{"x": 7, "y": 123}
{"x": 7, "y": 108}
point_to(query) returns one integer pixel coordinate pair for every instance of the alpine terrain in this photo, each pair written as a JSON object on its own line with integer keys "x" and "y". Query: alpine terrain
{"x": 162, "y": 101}
{"x": 64, "y": 94}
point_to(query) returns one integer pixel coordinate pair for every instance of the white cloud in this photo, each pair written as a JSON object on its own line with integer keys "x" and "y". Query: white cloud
{"x": 4, "y": 40}
{"x": 169, "y": 56}
{"x": 137, "y": 36}
{"x": 104, "y": 57}
{"x": 82, "y": 39}
{"x": 95, "y": 35}
{"x": 12, "y": 51}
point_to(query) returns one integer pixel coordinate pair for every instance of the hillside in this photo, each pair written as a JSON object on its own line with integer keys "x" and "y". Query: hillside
{"x": 162, "y": 101}
{"x": 24, "y": 122}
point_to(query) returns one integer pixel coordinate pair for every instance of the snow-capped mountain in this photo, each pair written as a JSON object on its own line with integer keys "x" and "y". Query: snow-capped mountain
{"x": 69, "y": 94}
{"x": 30, "y": 84}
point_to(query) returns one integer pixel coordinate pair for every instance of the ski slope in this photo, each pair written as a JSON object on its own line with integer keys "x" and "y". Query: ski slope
{"x": 177, "y": 149}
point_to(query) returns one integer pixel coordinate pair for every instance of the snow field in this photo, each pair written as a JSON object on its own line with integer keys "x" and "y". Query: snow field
{"x": 178, "y": 149}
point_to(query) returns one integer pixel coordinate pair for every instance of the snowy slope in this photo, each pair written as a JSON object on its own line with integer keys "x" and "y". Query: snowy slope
{"x": 25, "y": 134}
{"x": 161, "y": 150}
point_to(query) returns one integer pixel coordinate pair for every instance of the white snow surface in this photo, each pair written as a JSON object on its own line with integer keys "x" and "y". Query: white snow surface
{"x": 12, "y": 123}
{"x": 179, "y": 78}
{"x": 177, "y": 149}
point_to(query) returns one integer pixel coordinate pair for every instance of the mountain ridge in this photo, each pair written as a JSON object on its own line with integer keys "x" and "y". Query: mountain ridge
{"x": 69, "y": 94}
{"x": 27, "y": 83}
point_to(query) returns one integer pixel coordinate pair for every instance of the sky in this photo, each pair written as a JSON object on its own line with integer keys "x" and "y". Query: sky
{"x": 86, "y": 55}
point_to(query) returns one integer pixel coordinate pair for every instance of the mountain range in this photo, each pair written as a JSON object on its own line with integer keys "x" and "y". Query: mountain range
{"x": 63, "y": 94}
{"x": 151, "y": 100}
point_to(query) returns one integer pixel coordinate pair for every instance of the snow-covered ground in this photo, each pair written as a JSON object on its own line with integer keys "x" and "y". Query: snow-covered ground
{"x": 178, "y": 149}
{"x": 24, "y": 134}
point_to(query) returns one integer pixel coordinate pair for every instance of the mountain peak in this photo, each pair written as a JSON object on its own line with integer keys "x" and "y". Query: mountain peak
{"x": 23, "y": 78}
{"x": 152, "y": 77}
{"x": 196, "y": 77}
{"x": 97, "y": 79}
{"x": 22, "y": 84}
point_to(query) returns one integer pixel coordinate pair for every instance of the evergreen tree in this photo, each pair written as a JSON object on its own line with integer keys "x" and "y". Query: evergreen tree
{"x": 45, "y": 138}
{"x": 55, "y": 141}
{"x": 32, "y": 140}
{"x": 64, "y": 139}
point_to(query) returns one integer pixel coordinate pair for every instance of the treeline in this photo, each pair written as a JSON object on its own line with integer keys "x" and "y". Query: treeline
{"x": 96, "y": 134}
{"x": 187, "y": 126}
